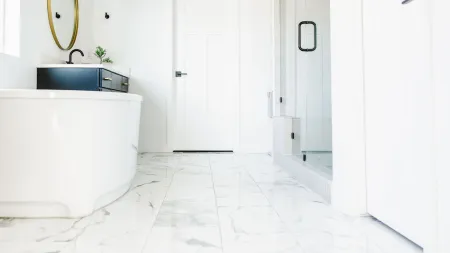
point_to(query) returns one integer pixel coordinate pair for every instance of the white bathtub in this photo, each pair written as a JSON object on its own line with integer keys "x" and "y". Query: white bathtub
{"x": 65, "y": 153}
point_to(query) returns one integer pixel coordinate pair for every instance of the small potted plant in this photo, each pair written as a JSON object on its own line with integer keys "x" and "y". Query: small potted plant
{"x": 101, "y": 54}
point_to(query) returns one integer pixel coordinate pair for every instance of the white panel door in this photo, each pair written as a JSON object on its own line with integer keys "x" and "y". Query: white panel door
{"x": 207, "y": 52}
{"x": 399, "y": 116}
{"x": 313, "y": 73}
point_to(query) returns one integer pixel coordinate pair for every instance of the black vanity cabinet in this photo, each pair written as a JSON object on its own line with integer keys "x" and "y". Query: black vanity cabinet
{"x": 87, "y": 79}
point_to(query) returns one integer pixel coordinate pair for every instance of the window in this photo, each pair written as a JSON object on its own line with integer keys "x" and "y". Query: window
{"x": 10, "y": 27}
{"x": 2, "y": 25}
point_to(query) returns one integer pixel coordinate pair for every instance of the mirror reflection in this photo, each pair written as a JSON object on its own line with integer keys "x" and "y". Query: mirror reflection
{"x": 63, "y": 18}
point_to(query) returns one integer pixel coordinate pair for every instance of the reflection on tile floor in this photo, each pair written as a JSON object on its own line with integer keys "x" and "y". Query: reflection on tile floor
{"x": 206, "y": 204}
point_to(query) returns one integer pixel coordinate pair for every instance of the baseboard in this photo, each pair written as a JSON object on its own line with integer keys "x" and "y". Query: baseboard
{"x": 318, "y": 182}
{"x": 203, "y": 151}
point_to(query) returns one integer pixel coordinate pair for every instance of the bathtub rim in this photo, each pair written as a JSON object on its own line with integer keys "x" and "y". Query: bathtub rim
{"x": 67, "y": 94}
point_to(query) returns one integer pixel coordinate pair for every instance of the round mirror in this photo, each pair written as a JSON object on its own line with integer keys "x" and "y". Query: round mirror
{"x": 63, "y": 17}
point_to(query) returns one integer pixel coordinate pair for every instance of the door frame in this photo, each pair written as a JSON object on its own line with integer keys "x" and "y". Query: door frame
{"x": 171, "y": 103}
{"x": 349, "y": 168}
{"x": 346, "y": 19}
{"x": 277, "y": 93}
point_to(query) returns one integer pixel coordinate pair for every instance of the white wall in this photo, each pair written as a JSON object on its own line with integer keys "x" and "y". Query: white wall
{"x": 114, "y": 33}
{"x": 139, "y": 35}
{"x": 151, "y": 61}
{"x": 349, "y": 178}
{"x": 145, "y": 29}
{"x": 256, "y": 74}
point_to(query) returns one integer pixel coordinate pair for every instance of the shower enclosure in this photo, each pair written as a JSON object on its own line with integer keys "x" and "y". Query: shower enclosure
{"x": 305, "y": 81}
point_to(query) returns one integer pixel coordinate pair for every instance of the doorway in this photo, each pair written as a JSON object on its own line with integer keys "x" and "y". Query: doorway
{"x": 306, "y": 79}
{"x": 206, "y": 72}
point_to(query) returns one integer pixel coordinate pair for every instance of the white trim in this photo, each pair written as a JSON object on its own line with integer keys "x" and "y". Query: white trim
{"x": 365, "y": 208}
{"x": 237, "y": 125}
{"x": 277, "y": 57}
{"x": 171, "y": 96}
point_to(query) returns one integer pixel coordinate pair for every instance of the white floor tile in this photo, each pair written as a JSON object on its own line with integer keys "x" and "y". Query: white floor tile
{"x": 262, "y": 243}
{"x": 184, "y": 240}
{"x": 250, "y": 220}
{"x": 207, "y": 203}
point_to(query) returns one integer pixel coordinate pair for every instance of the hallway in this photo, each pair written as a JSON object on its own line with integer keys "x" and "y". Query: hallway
{"x": 186, "y": 203}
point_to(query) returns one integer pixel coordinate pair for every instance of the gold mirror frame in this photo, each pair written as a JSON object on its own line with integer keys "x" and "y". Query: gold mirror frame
{"x": 52, "y": 26}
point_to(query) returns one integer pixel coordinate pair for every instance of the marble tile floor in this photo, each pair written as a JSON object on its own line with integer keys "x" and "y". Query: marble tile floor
{"x": 207, "y": 203}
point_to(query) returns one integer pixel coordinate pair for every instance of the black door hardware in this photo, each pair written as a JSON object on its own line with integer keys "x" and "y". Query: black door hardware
{"x": 180, "y": 74}
{"x": 300, "y": 35}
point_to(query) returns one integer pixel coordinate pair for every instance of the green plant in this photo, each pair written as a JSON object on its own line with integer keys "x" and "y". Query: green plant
{"x": 100, "y": 52}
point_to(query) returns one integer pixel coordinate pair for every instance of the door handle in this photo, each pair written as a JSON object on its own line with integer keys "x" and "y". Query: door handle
{"x": 407, "y": 1}
{"x": 300, "y": 36}
{"x": 180, "y": 74}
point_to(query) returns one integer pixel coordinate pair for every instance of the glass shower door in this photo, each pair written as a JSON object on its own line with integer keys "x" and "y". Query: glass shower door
{"x": 313, "y": 63}
{"x": 305, "y": 85}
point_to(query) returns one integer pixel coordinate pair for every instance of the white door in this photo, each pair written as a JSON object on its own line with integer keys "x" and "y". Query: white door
{"x": 207, "y": 57}
{"x": 399, "y": 116}
{"x": 314, "y": 73}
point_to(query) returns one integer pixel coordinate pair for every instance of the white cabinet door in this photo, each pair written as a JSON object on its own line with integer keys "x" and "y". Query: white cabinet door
{"x": 399, "y": 114}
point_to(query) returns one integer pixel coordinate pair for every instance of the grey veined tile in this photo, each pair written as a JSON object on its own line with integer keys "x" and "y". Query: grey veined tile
{"x": 207, "y": 203}
{"x": 184, "y": 240}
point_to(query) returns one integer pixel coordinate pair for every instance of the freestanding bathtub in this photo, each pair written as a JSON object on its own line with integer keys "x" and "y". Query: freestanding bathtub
{"x": 65, "y": 153}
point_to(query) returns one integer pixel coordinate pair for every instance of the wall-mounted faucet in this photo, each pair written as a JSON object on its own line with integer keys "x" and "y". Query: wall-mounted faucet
{"x": 70, "y": 56}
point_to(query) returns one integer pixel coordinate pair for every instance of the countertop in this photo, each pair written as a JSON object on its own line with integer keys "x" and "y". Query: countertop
{"x": 114, "y": 69}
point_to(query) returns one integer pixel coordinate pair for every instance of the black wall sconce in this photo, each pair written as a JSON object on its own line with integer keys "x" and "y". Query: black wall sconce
{"x": 106, "y": 15}
{"x": 57, "y": 15}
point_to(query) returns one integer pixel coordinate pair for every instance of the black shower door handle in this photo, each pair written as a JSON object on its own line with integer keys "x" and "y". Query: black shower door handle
{"x": 300, "y": 36}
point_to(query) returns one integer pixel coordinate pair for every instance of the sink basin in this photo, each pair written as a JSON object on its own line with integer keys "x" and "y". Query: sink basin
{"x": 71, "y": 66}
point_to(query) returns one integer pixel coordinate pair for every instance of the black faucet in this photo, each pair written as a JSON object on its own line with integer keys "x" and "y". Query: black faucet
{"x": 70, "y": 56}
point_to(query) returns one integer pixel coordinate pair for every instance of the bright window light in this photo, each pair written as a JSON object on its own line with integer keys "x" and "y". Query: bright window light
{"x": 2, "y": 25}
{"x": 10, "y": 27}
